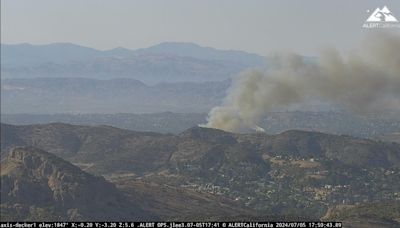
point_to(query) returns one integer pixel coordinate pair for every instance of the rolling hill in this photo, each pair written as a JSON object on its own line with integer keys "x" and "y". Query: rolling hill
{"x": 376, "y": 126}
{"x": 90, "y": 143}
{"x": 294, "y": 174}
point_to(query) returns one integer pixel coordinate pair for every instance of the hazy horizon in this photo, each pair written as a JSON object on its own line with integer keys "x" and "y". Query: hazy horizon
{"x": 261, "y": 27}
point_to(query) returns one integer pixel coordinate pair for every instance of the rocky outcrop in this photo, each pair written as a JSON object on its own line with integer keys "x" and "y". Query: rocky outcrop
{"x": 45, "y": 184}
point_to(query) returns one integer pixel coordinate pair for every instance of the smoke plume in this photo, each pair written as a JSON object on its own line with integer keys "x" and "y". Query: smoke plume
{"x": 366, "y": 81}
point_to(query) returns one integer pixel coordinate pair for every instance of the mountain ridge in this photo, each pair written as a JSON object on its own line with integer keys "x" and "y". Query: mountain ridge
{"x": 303, "y": 144}
{"x": 80, "y": 52}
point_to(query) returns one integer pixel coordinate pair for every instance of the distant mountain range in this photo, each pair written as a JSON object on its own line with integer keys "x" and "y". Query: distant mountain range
{"x": 68, "y": 78}
{"x": 26, "y": 55}
{"x": 17, "y": 55}
{"x": 166, "y": 62}
{"x": 205, "y": 53}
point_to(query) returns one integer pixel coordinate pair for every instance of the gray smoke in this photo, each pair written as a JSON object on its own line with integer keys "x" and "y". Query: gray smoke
{"x": 366, "y": 81}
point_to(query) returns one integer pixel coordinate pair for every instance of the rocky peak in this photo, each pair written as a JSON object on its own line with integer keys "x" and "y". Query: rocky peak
{"x": 38, "y": 179}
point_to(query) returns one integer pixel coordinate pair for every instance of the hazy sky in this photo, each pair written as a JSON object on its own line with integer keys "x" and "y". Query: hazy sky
{"x": 261, "y": 27}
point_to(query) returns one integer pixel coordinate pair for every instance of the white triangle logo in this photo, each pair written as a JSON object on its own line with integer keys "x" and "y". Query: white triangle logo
{"x": 382, "y": 15}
